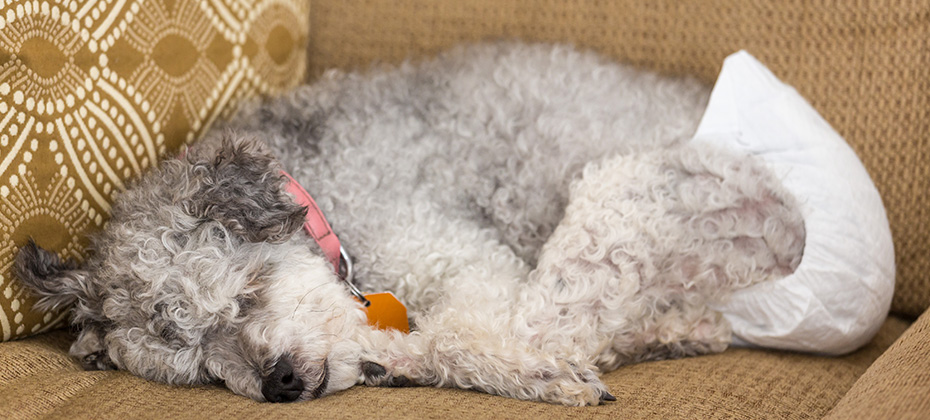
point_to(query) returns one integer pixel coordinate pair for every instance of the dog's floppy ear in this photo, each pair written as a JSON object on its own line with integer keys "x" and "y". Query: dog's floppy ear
{"x": 247, "y": 193}
{"x": 57, "y": 282}
{"x": 61, "y": 283}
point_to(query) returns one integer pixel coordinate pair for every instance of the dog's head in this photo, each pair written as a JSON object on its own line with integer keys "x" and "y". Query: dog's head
{"x": 199, "y": 277}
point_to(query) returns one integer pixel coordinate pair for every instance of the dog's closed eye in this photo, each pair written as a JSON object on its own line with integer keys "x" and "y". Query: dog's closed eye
{"x": 248, "y": 297}
{"x": 245, "y": 302}
{"x": 218, "y": 233}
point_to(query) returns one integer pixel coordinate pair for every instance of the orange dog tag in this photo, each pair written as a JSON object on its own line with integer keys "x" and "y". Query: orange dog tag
{"x": 387, "y": 312}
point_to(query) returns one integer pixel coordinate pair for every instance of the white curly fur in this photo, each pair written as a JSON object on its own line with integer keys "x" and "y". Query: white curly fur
{"x": 537, "y": 208}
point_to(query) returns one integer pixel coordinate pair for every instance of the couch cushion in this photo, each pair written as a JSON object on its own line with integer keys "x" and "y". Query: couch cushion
{"x": 895, "y": 386}
{"x": 94, "y": 92}
{"x": 38, "y": 379}
{"x": 864, "y": 67}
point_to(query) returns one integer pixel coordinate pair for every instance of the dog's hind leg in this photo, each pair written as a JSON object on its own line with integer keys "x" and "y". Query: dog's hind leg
{"x": 650, "y": 241}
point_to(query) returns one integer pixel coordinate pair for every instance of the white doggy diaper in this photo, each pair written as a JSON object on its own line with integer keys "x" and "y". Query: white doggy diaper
{"x": 840, "y": 294}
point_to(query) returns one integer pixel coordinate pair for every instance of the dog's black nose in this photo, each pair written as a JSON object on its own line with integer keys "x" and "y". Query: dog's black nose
{"x": 282, "y": 385}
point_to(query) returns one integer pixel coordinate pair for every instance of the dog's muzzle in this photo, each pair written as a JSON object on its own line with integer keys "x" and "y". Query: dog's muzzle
{"x": 282, "y": 385}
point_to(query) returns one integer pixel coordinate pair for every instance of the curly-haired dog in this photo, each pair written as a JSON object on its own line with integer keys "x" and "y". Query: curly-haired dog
{"x": 537, "y": 209}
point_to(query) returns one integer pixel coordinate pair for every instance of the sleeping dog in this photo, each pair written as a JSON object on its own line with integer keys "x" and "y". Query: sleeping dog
{"x": 538, "y": 210}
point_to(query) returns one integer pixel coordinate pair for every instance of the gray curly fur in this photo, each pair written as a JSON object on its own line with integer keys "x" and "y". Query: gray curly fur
{"x": 538, "y": 209}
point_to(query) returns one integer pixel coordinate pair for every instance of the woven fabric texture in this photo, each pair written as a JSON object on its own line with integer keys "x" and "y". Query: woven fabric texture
{"x": 94, "y": 92}
{"x": 39, "y": 380}
{"x": 896, "y": 385}
{"x": 865, "y": 66}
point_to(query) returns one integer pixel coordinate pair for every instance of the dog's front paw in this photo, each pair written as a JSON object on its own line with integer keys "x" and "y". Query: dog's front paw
{"x": 377, "y": 375}
{"x": 573, "y": 384}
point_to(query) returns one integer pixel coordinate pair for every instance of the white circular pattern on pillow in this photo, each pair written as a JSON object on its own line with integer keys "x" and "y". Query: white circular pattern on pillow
{"x": 92, "y": 92}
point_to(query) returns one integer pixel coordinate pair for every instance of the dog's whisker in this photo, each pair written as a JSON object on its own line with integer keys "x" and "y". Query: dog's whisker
{"x": 301, "y": 300}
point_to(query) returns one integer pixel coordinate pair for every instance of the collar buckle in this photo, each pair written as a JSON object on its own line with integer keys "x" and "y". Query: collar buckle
{"x": 346, "y": 274}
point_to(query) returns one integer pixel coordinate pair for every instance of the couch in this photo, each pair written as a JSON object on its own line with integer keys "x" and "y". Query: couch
{"x": 864, "y": 66}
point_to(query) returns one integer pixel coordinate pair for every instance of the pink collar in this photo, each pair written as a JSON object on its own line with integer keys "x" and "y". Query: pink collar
{"x": 318, "y": 228}
{"x": 383, "y": 310}
{"x": 315, "y": 223}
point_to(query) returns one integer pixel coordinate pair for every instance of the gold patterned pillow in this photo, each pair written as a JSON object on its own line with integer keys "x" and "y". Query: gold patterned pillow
{"x": 93, "y": 92}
